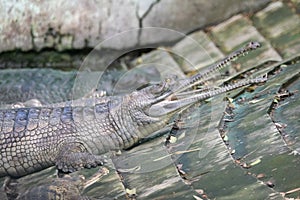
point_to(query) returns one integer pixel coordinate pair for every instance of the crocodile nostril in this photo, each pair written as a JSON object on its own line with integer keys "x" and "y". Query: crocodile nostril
{"x": 254, "y": 45}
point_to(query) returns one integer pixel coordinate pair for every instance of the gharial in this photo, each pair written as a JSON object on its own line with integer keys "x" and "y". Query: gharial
{"x": 73, "y": 135}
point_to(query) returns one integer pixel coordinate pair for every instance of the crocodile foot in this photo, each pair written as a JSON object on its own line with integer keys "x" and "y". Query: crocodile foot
{"x": 71, "y": 162}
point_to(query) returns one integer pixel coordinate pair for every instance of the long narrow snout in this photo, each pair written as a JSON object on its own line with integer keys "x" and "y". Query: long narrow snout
{"x": 179, "y": 95}
{"x": 170, "y": 105}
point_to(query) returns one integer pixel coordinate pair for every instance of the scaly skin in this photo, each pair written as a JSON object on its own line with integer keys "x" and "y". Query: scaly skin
{"x": 73, "y": 135}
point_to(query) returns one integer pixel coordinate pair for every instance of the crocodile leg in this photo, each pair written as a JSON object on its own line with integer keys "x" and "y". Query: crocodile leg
{"x": 74, "y": 157}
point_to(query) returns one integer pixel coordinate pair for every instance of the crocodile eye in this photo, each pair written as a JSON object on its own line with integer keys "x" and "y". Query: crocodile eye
{"x": 158, "y": 88}
{"x": 163, "y": 85}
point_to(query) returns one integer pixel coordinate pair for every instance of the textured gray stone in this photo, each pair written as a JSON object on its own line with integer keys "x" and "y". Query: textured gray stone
{"x": 76, "y": 24}
{"x": 187, "y": 16}
{"x": 62, "y": 24}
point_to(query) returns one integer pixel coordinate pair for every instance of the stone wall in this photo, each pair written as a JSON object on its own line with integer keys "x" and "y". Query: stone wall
{"x": 76, "y": 24}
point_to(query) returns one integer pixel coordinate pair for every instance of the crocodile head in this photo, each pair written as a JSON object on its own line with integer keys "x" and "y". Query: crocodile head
{"x": 172, "y": 94}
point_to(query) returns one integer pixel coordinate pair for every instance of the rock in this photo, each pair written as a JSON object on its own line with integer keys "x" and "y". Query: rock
{"x": 65, "y": 24}
{"x": 187, "y": 16}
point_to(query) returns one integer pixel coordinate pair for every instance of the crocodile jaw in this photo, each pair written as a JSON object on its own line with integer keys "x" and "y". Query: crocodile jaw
{"x": 172, "y": 104}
